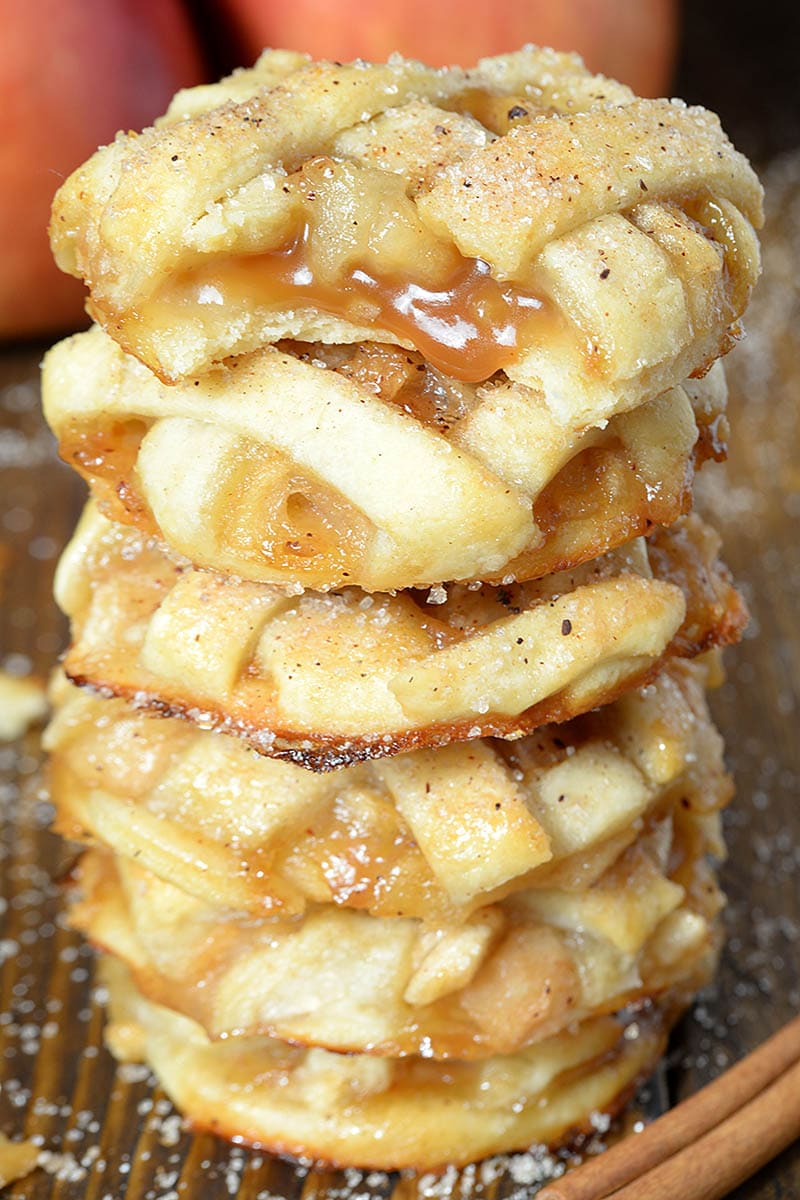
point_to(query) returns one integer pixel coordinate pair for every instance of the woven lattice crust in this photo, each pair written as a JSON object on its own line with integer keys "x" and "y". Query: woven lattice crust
{"x": 326, "y": 679}
{"x": 515, "y": 972}
{"x": 362, "y": 1111}
{"x": 523, "y": 217}
{"x": 433, "y": 834}
{"x": 361, "y": 466}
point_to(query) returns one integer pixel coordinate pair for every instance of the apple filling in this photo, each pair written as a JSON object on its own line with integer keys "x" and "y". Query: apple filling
{"x": 106, "y": 458}
{"x": 352, "y": 246}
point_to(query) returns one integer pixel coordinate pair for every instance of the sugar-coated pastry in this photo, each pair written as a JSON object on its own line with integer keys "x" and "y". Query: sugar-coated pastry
{"x": 433, "y": 834}
{"x": 361, "y": 465}
{"x": 524, "y": 219}
{"x": 329, "y": 678}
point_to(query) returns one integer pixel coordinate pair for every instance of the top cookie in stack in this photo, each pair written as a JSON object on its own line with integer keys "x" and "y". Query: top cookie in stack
{"x": 391, "y": 411}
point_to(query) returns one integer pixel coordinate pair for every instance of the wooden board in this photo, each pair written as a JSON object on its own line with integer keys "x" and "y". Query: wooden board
{"x": 120, "y": 1138}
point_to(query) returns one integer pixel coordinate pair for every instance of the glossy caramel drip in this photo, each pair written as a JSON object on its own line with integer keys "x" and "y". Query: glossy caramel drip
{"x": 469, "y": 326}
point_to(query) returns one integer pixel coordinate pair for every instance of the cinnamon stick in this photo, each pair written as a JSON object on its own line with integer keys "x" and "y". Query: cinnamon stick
{"x": 685, "y": 1124}
{"x": 733, "y": 1151}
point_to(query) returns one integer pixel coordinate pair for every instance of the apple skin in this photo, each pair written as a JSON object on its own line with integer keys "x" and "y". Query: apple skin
{"x": 630, "y": 40}
{"x": 72, "y": 72}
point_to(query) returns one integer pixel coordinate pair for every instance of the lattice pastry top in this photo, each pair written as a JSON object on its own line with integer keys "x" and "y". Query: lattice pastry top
{"x": 326, "y": 679}
{"x": 433, "y": 834}
{"x": 515, "y": 972}
{"x": 523, "y": 217}
{"x": 329, "y": 466}
{"x": 386, "y": 1113}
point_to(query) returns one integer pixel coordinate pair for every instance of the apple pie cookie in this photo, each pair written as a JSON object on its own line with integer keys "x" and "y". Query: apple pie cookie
{"x": 432, "y": 835}
{"x": 522, "y": 221}
{"x": 515, "y": 972}
{"x": 329, "y": 678}
{"x": 362, "y": 465}
{"x": 360, "y": 1110}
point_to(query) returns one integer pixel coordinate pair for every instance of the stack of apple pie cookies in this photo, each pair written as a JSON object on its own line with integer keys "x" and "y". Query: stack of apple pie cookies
{"x": 384, "y": 714}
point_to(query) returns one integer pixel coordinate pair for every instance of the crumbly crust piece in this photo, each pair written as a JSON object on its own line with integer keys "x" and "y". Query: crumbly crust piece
{"x": 433, "y": 834}
{"x": 337, "y": 466}
{"x": 17, "y": 1159}
{"x": 327, "y": 679}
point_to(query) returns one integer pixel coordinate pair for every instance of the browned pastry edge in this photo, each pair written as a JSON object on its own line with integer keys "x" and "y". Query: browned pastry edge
{"x": 664, "y": 1013}
{"x": 717, "y": 616}
{"x": 572, "y": 1138}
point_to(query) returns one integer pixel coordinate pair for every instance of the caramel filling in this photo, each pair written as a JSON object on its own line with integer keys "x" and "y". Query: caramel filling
{"x": 347, "y": 241}
{"x": 294, "y": 523}
{"x": 468, "y": 326}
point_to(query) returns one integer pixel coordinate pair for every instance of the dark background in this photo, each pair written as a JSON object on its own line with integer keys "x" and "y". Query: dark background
{"x": 737, "y": 57}
{"x": 742, "y": 59}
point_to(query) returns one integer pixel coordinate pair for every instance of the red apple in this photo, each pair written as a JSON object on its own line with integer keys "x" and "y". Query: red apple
{"x": 72, "y": 72}
{"x": 631, "y": 40}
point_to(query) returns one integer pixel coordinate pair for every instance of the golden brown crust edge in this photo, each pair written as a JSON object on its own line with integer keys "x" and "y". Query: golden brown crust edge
{"x": 716, "y": 616}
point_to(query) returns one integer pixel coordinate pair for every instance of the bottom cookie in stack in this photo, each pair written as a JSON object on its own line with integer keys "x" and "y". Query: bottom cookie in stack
{"x": 382, "y": 1113}
{"x": 349, "y": 980}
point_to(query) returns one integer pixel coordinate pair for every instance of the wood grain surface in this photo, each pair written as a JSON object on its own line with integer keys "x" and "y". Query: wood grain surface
{"x": 106, "y": 1132}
